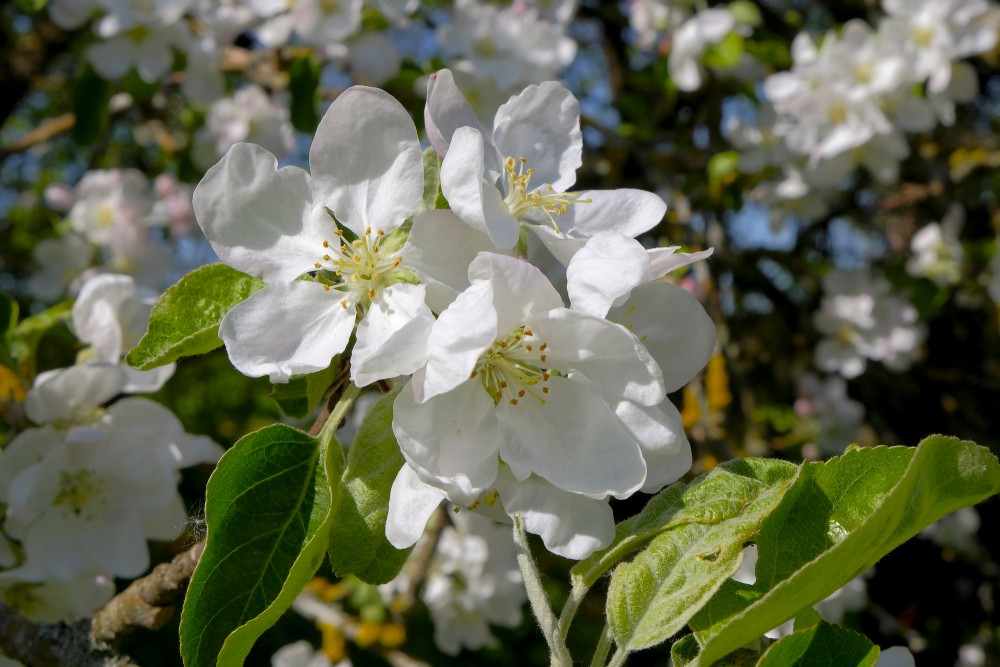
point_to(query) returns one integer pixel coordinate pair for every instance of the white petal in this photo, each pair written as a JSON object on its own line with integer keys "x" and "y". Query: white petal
{"x": 573, "y": 440}
{"x": 626, "y": 211}
{"x": 411, "y": 504}
{"x": 440, "y": 248}
{"x": 259, "y": 219}
{"x": 562, "y": 247}
{"x": 471, "y": 197}
{"x": 458, "y": 337}
{"x": 366, "y": 162}
{"x": 664, "y": 260}
{"x": 95, "y": 313}
{"x": 392, "y": 337}
{"x": 142, "y": 382}
{"x": 674, "y": 328}
{"x": 452, "y": 439}
{"x": 287, "y": 329}
{"x": 570, "y": 525}
{"x": 58, "y": 393}
{"x": 660, "y": 434}
{"x": 607, "y": 268}
{"x": 604, "y": 352}
{"x": 446, "y": 110}
{"x": 542, "y": 125}
{"x": 519, "y": 289}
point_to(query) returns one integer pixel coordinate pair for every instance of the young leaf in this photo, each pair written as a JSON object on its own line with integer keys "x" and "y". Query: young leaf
{"x": 359, "y": 545}
{"x": 185, "y": 319}
{"x": 835, "y": 522}
{"x": 698, "y": 548}
{"x": 268, "y": 517}
{"x": 822, "y": 645}
{"x": 709, "y": 498}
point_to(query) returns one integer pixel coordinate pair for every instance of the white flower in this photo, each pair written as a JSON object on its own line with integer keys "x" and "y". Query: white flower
{"x": 513, "y": 374}
{"x": 250, "y": 115}
{"x": 87, "y": 499}
{"x": 274, "y": 224}
{"x": 302, "y": 654}
{"x": 937, "y": 252}
{"x": 862, "y": 320}
{"x": 111, "y": 314}
{"x": 109, "y": 200}
{"x": 517, "y": 175}
{"x": 511, "y": 46}
{"x": 895, "y": 656}
{"x": 935, "y": 32}
{"x": 53, "y": 600}
{"x": 62, "y": 260}
{"x": 956, "y": 531}
{"x": 149, "y": 50}
{"x": 472, "y": 581}
{"x": 836, "y": 418}
{"x": 692, "y": 40}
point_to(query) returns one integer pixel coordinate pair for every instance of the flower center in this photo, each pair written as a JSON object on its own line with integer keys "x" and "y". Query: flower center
{"x": 514, "y": 367}
{"x": 77, "y": 489}
{"x": 520, "y": 199}
{"x": 358, "y": 268}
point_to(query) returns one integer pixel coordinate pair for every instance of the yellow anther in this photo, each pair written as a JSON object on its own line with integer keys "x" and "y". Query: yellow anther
{"x": 326, "y": 244}
{"x": 317, "y": 265}
{"x": 339, "y": 232}
{"x": 343, "y": 304}
{"x": 326, "y": 258}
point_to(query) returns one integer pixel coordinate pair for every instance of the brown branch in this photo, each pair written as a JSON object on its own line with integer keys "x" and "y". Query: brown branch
{"x": 148, "y": 602}
{"x": 42, "y": 133}
{"x": 51, "y": 644}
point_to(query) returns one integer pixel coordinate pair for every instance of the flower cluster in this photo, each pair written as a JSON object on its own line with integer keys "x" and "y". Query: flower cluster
{"x": 850, "y": 99}
{"x": 516, "y": 401}
{"x": 861, "y": 319}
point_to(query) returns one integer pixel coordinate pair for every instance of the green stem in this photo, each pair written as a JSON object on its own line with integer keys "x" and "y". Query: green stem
{"x": 338, "y": 413}
{"x": 539, "y": 601}
{"x": 603, "y": 646}
{"x": 576, "y": 594}
{"x": 618, "y": 659}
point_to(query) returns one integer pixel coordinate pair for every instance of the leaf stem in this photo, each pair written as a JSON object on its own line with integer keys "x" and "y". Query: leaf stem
{"x": 618, "y": 659}
{"x": 339, "y": 411}
{"x": 576, "y": 594}
{"x": 539, "y": 601}
{"x": 602, "y": 648}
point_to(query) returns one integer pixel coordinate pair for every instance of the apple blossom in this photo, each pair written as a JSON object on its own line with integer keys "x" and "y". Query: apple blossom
{"x": 518, "y": 173}
{"x": 278, "y": 225}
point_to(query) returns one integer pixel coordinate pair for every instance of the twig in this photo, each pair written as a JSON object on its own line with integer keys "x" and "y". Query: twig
{"x": 147, "y": 602}
{"x": 40, "y": 134}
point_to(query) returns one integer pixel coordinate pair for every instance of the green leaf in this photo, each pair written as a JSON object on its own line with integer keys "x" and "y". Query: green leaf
{"x": 268, "y": 516}
{"x": 822, "y": 645}
{"x": 684, "y": 651}
{"x": 359, "y": 545}
{"x": 302, "y": 393}
{"x": 303, "y": 82}
{"x": 745, "y": 12}
{"x": 185, "y": 320}
{"x": 707, "y": 499}
{"x": 726, "y": 53}
{"x": 91, "y": 95}
{"x": 699, "y": 545}
{"x": 25, "y": 337}
{"x": 835, "y": 522}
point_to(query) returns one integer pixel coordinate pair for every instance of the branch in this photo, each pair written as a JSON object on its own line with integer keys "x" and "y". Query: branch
{"x": 147, "y": 602}
{"x": 51, "y": 644}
